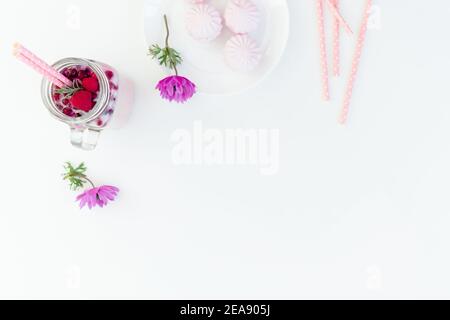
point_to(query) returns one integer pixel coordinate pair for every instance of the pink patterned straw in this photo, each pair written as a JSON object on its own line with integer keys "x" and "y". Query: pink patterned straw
{"x": 323, "y": 50}
{"x": 355, "y": 64}
{"x": 336, "y": 43}
{"x": 18, "y": 48}
{"x": 332, "y": 4}
{"x": 47, "y": 75}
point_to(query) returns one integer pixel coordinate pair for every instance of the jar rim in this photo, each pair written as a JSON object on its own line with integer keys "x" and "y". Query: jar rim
{"x": 103, "y": 95}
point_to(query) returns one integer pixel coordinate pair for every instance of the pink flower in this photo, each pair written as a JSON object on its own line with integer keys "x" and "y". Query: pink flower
{"x": 176, "y": 88}
{"x": 97, "y": 196}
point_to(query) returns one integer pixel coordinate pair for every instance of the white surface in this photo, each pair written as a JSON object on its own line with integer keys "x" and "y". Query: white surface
{"x": 204, "y": 61}
{"x": 355, "y": 212}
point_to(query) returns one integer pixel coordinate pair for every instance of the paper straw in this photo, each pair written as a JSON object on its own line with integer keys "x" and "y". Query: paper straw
{"x": 336, "y": 43}
{"x": 323, "y": 50}
{"x": 42, "y": 64}
{"x": 338, "y": 16}
{"x": 355, "y": 64}
{"x": 36, "y": 67}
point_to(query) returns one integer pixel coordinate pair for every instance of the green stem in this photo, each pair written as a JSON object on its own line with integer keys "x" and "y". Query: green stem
{"x": 167, "y": 31}
{"x": 172, "y": 63}
{"x": 88, "y": 180}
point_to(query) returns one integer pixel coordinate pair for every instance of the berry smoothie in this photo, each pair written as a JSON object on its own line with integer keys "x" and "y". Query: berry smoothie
{"x": 80, "y": 100}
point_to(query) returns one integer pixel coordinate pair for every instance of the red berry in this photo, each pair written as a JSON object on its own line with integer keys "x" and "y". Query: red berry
{"x": 56, "y": 96}
{"x": 99, "y": 122}
{"x": 82, "y": 74}
{"x": 66, "y": 72}
{"x": 109, "y": 74}
{"x": 65, "y": 102}
{"x": 82, "y": 100}
{"x": 88, "y": 73}
{"x": 68, "y": 112}
{"x": 90, "y": 84}
{"x": 71, "y": 73}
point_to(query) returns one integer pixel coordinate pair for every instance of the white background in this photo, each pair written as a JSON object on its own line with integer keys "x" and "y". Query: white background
{"x": 360, "y": 211}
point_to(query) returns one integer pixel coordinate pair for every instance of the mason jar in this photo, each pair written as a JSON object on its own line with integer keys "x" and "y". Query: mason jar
{"x": 85, "y": 127}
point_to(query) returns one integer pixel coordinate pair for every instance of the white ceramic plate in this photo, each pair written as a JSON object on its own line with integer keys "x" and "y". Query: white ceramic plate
{"x": 204, "y": 63}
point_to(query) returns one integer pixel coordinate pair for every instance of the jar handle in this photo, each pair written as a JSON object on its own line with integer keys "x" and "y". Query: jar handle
{"x": 84, "y": 138}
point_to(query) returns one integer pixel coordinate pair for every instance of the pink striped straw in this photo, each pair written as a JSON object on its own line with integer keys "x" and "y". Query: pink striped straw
{"x": 336, "y": 43}
{"x": 355, "y": 64}
{"x": 41, "y": 64}
{"x": 332, "y": 4}
{"x": 37, "y": 68}
{"x": 323, "y": 50}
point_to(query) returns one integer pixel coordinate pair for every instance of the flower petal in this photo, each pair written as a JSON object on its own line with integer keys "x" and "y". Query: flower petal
{"x": 176, "y": 88}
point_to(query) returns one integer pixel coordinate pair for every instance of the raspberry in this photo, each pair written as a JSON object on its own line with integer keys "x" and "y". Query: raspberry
{"x": 82, "y": 100}
{"x": 90, "y": 84}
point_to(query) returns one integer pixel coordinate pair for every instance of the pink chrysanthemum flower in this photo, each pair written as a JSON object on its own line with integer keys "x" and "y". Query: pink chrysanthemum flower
{"x": 97, "y": 196}
{"x": 173, "y": 88}
{"x": 176, "y": 88}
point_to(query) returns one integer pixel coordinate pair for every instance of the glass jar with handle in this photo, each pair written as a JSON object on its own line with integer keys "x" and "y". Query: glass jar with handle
{"x": 99, "y": 84}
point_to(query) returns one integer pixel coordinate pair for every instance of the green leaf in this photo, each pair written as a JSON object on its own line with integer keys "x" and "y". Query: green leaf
{"x": 166, "y": 57}
{"x": 154, "y": 51}
{"x": 75, "y": 175}
{"x": 68, "y": 92}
